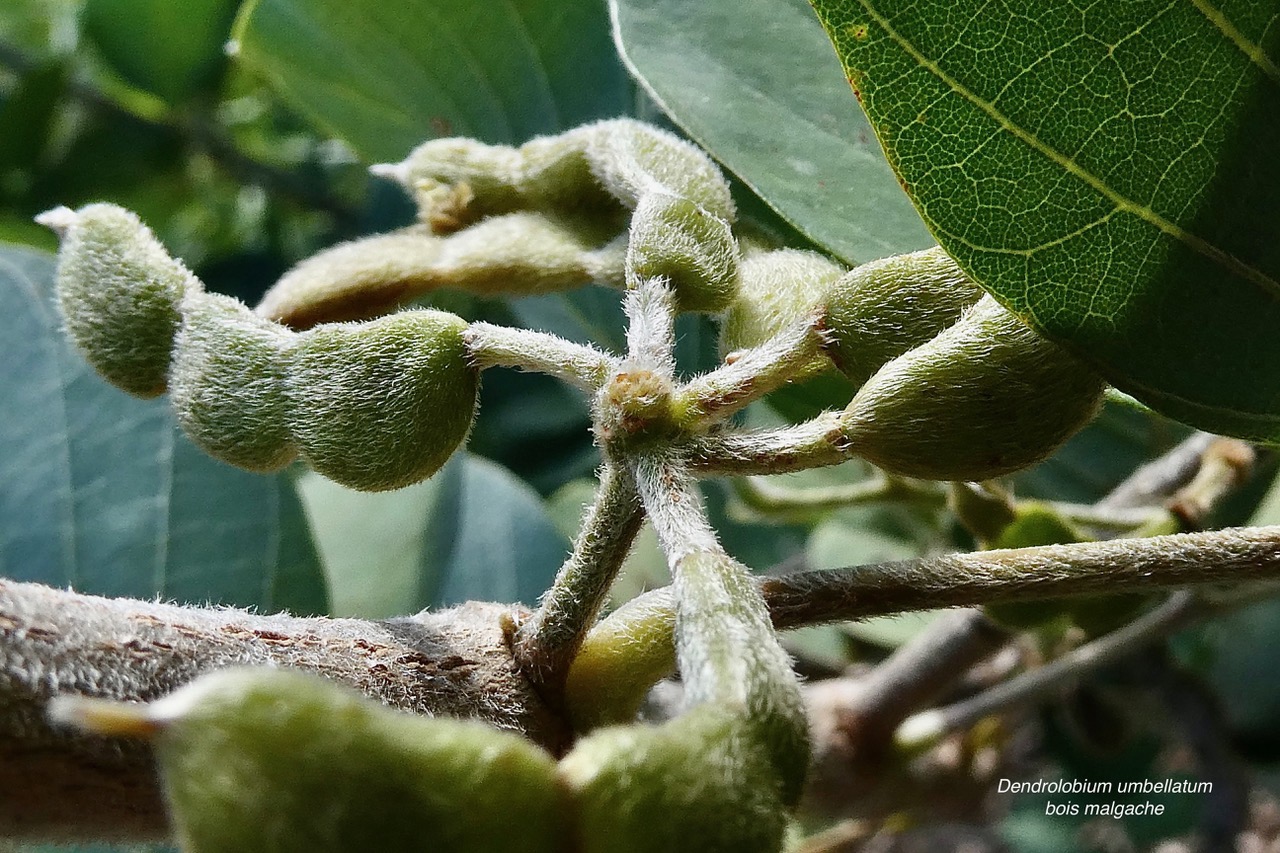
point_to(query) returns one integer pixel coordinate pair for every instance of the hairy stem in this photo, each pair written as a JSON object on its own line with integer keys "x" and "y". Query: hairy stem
{"x": 1025, "y": 574}
{"x": 546, "y": 644}
{"x": 958, "y": 580}
{"x": 750, "y": 375}
{"x": 765, "y": 495}
{"x": 500, "y": 346}
{"x": 651, "y": 330}
{"x": 815, "y": 443}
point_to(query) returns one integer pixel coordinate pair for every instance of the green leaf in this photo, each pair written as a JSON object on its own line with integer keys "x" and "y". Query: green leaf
{"x": 474, "y": 531}
{"x": 172, "y": 50}
{"x": 1109, "y": 173}
{"x": 103, "y": 493}
{"x": 755, "y": 83}
{"x": 27, "y": 114}
{"x": 386, "y": 74}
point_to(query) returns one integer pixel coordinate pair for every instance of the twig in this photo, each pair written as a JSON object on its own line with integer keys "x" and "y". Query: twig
{"x": 1025, "y": 574}
{"x": 1183, "y": 608}
{"x": 547, "y": 643}
{"x": 918, "y": 672}
{"x": 765, "y": 495}
{"x": 583, "y": 366}
{"x": 1151, "y": 484}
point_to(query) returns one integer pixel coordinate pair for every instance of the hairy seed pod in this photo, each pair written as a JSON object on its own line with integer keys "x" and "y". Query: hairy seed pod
{"x": 227, "y": 383}
{"x": 987, "y": 397}
{"x": 878, "y": 311}
{"x": 275, "y": 760}
{"x": 699, "y": 783}
{"x": 119, "y": 292}
{"x": 594, "y": 168}
{"x": 382, "y": 404}
{"x": 777, "y": 290}
{"x": 516, "y": 253}
{"x": 673, "y": 238}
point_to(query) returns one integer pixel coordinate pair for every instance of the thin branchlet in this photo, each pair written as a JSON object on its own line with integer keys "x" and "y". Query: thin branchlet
{"x": 547, "y": 643}
{"x": 749, "y": 374}
{"x": 1182, "y": 609}
{"x": 651, "y": 331}
{"x": 581, "y": 365}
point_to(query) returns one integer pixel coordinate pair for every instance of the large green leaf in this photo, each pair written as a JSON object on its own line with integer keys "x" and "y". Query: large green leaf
{"x": 102, "y": 492}
{"x": 386, "y": 74}
{"x": 473, "y": 531}
{"x": 1108, "y": 171}
{"x": 755, "y": 82}
{"x": 169, "y": 49}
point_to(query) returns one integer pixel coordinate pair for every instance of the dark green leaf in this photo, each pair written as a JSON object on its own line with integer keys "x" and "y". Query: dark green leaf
{"x": 104, "y": 494}
{"x": 755, "y": 83}
{"x": 172, "y": 50}
{"x": 26, "y": 118}
{"x": 386, "y": 74}
{"x": 1110, "y": 173}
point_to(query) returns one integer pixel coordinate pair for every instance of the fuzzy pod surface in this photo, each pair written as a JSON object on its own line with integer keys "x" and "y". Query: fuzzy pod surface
{"x": 699, "y": 783}
{"x": 227, "y": 383}
{"x": 596, "y": 168}
{"x": 987, "y": 397}
{"x": 880, "y": 310}
{"x": 676, "y": 239}
{"x": 382, "y": 404}
{"x": 120, "y": 294}
{"x": 519, "y": 253}
{"x": 281, "y": 761}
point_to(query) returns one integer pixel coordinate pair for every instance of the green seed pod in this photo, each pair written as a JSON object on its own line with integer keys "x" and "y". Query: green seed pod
{"x": 631, "y": 159}
{"x": 986, "y": 397}
{"x": 878, "y": 311}
{"x": 382, "y": 404}
{"x": 590, "y": 169}
{"x": 120, "y": 293}
{"x": 275, "y": 760}
{"x": 776, "y": 291}
{"x": 227, "y": 383}
{"x": 518, "y": 253}
{"x": 673, "y": 238}
{"x": 698, "y": 783}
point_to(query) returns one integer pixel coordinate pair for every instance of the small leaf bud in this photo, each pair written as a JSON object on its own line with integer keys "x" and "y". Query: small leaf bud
{"x": 880, "y": 310}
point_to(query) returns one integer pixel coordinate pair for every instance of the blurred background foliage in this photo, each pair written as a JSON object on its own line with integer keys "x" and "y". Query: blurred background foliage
{"x": 242, "y": 134}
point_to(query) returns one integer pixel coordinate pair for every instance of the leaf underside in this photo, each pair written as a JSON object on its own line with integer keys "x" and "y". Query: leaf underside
{"x": 1108, "y": 170}
{"x": 103, "y": 493}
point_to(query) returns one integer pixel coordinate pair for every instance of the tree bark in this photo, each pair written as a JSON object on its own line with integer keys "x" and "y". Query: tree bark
{"x": 58, "y": 785}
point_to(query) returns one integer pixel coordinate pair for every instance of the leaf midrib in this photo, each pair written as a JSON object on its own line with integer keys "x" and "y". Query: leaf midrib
{"x": 1122, "y": 204}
